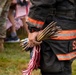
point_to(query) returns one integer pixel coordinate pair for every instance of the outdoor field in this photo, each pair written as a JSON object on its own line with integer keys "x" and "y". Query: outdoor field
{"x": 13, "y": 60}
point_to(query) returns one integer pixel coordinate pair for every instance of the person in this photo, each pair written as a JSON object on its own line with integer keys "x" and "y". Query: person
{"x": 57, "y": 53}
{"x": 15, "y": 17}
{"x": 4, "y": 8}
{"x": 11, "y": 27}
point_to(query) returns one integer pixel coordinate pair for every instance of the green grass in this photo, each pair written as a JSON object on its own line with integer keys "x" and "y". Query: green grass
{"x": 74, "y": 68}
{"x": 13, "y": 60}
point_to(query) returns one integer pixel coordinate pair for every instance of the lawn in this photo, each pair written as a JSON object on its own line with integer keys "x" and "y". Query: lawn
{"x": 13, "y": 60}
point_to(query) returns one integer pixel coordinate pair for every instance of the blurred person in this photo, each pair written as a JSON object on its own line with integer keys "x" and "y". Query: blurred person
{"x": 17, "y": 13}
{"x": 4, "y": 8}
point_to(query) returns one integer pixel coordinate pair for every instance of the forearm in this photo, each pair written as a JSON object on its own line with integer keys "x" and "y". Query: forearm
{"x": 12, "y": 20}
{"x": 11, "y": 17}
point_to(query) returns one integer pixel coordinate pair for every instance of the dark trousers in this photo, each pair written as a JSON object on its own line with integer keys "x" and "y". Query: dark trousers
{"x": 60, "y": 73}
{"x": 53, "y": 74}
{"x": 67, "y": 70}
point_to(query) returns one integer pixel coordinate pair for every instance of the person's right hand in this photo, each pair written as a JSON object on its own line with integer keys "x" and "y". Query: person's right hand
{"x": 32, "y": 39}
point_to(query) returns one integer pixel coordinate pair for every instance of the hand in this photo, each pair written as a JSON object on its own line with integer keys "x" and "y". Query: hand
{"x": 26, "y": 44}
{"x": 32, "y": 39}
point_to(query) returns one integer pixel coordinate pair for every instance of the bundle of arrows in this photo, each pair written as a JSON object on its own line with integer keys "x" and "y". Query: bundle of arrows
{"x": 49, "y": 31}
